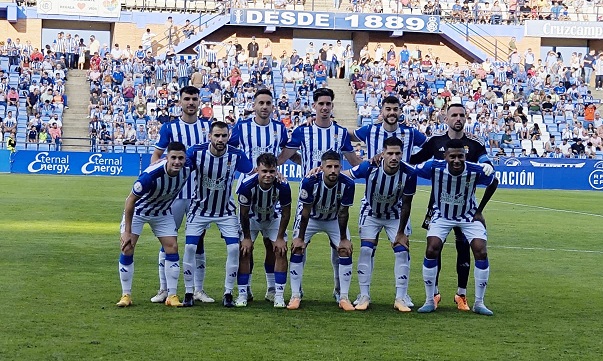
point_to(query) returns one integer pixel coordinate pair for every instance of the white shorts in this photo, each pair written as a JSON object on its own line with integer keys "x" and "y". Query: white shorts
{"x": 331, "y": 228}
{"x": 268, "y": 229}
{"x": 228, "y": 226}
{"x": 369, "y": 227}
{"x": 162, "y": 226}
{"x": 440, "y": 227}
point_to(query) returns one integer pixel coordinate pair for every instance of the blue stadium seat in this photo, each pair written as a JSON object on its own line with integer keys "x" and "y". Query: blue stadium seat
{"x": 118, "y": 149}
{"x": 130, "y": 149}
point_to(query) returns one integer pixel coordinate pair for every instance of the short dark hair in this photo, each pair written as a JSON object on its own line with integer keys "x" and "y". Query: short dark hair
{"x": 189, "y": 89}
{"x": 330, "y": 155}
{"x": 176, "y": 146}
{"x": 322, "y": 92}
{"x": 456, "y": 105}
{"x": 267, "y": 159}
{"x": 217, "y": 124}
{"x": 454, "y": 144}
{"x": 393, "y": 142}
{"x": 262, "y": 91}
{"x": 391, "y": 100}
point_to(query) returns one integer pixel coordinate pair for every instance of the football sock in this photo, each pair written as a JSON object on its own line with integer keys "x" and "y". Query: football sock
{"x": 345, "y": 276}
{"x": 335, "y": 264}
{"x": 296, "y": 273}
{"x": 438, "y": 269}
{"x": 243, "y": 283}
{"x": 280, "y": 279}
{"x": 188, "y": 265}
{"x": 162, "y": 283}
{"x": 199, "y": 271}
{"x": 269, "y": 268}
{"x": 463, "y": 257}
{"x": 481, "y": 274}
{"x": 232, "y": 264}
{"x": 430, "y": 271}
{"x": 172, "y": 272}
{"x": 461, "y": 291}
{"x": 126, "y": 272}
{"x": 373, "y": 257}
{"x": 401, "y": 270}
{"x": 364, "y": 268}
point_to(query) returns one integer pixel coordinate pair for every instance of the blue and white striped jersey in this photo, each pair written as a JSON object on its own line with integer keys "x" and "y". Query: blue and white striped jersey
{"x": 314, "y": 141}
{"x": 454, "y": 195}
{"x": 383, "y": 192}
{"x": 263, "y": 202}
{"x": 212, "y": 196}
{"x": 187, "y": 134}
{"x": 157, "y": 190}
{"x": 326, "y": 202}
{"x": 254, "y": 139}
{"x": 373, "y": 136}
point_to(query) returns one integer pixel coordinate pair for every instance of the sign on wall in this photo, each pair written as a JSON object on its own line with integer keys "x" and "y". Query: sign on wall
{"x": 564, "y": 29}
{"x": 335, "y": 21}
{"x": 101, "y": 8}
{"x": 76, "y": 163}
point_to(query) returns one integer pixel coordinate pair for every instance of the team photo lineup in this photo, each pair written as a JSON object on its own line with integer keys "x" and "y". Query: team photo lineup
{"x": 205, "y": 173}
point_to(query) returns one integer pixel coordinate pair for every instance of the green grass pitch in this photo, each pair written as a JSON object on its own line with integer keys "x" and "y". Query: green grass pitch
{"x": 59, "y": 282}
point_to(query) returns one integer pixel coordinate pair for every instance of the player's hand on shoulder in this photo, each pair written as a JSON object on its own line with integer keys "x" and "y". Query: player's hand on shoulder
{"x": 376, "y": 160}
{"x": 313, "y": 172}
{"x": 280, "y": 177}
{"x": 488, "y": 169}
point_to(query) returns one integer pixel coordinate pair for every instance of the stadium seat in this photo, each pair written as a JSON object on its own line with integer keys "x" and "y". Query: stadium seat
{"x": 526, "y": 144}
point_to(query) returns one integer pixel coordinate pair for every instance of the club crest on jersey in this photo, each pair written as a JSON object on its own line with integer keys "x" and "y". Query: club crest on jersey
{"x": 303, "y": 194}
{"x": 243, "y": 199}
{"x": 137, "y": 187}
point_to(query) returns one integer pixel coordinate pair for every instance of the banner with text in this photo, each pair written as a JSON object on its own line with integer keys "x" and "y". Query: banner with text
{"x": 4, "y": 161}
{"x": 564, "y": 29}
{"x": 100, "y": 8}
{"x": 335, "y": 21}
{"x": 76, "y": 163}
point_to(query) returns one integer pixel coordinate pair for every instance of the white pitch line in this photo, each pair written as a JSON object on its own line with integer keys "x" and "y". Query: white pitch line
{"x": 532, "y": 248}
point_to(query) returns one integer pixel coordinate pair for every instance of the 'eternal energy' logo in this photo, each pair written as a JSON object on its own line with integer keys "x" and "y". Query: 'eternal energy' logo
{"x": 595, "y": 179}
{"x": 43, "y": 162}
{"x": 97, "y": 164}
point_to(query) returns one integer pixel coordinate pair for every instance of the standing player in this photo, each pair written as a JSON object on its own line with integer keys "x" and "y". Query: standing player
{"x": 373, "y": 136}
{"x": 189, "y": 130}
{"x": 325, "y": 200}
{"x": 456, "y": 117}
{"x": 149, "y": 202}
{"x": 453, "y": 186}
{"x": 259, "y": 195}
{"x": 386, "y": 204}
{"x": 216, "y": 163}
{"x": 254, "y": 136}
{"x": 314, "y": 140}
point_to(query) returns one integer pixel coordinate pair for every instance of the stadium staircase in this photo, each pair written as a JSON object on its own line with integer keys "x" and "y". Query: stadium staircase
{"x": 474, "y": 41}
{"x": 208, "y": 24}
{"x": 75, "y": 121}
{"x": 322, "y": 5}
{"x": 345, "y": 107}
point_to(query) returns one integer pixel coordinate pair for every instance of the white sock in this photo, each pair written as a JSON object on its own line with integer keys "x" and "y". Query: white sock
{"x": 172, "y": 273}
{"x": 126, "y": 273}
{"x": 365, "y": 271}
{"x": 188, "y": 266}
{"x": 296, "y": 273}
{"x": 430, "y": 271}
{"x": 162, "y": 282}
{"x": 270, "y": 283}
{"x": 232, "y": 266}
{"x": 481, "y": 281}
{"x": 335, "y": 264}
{"x": 401, "y": 270}
{"x": 199, "y": 271}
{"x": 243, "y": 283}
{"x": 461, "y": 291}
{"x": 279, "y": 285}
{"x": 345, "y": 276}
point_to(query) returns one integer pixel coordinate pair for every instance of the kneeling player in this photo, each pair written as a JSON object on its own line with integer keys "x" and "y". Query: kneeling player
{"x": 326, "y": 198}
{"x": 149, "y": 202}
{"x": 386, "y": 204}
{"x": 453, "y": 186}
{"x": 259, "y": 195}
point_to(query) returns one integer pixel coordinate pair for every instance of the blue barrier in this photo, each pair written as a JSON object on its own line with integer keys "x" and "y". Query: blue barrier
{"x": 523, "y": 173}
{"x": 4, "y": 161}
{"x": 76, "y": 163}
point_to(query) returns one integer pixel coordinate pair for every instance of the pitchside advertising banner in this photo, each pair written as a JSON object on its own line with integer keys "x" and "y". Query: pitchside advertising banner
{"x": 76, "y": 163}
{"x": 335, "y": 21}
{"x": 524, "y": 173}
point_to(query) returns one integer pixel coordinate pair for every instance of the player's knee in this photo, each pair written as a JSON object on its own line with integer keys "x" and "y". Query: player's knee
{"x": 480, "y": 251}
{"x": 344, "y": 252}
{"x": 434, "y": 245}
{"x": 128, "y": 250}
